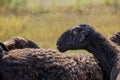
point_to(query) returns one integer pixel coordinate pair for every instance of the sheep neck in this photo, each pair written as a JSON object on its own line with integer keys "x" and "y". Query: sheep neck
{"x": 104, "y": 51}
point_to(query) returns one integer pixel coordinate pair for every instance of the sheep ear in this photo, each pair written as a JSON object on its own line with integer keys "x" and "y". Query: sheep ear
{"x": 83, "y": 35}
{"x": 82, "y": 38}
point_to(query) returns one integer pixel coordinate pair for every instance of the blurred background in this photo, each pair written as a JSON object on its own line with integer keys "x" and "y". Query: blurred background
{"x": 43, "y": 21}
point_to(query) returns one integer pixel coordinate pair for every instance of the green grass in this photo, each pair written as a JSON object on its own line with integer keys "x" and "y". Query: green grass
{"x": 44, "y": 27}
{"x": 106, "y": 2}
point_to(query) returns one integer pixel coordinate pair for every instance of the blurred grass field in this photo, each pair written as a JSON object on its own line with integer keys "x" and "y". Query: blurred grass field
{"x": 43, "y": 21}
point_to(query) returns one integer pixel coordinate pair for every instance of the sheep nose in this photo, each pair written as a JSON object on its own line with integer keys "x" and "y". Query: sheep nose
{"x": 58, "y": 44}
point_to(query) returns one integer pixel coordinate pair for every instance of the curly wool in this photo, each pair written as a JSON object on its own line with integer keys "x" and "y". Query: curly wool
{"x": 20, "y": 43}
{"x": 41, "y": 64}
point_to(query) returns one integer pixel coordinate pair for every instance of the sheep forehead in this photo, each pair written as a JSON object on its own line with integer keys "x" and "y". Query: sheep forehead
{"x": 76, "y": 27}
{"x": 82, "y": 26}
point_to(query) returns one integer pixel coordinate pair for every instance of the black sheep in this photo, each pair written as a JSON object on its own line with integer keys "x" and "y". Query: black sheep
{"x": 20, "y": 43}
{"x": 83, "y": 36}
{"x": 41, "y": 64}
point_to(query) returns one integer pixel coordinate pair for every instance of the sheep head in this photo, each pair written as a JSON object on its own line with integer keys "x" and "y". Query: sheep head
{"x": 116, "y": 38}
{"x": 75, "y": 38}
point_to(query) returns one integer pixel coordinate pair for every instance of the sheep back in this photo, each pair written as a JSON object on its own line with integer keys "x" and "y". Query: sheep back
{"x": 41, "y": 64}
{"x": 19, "y": 43}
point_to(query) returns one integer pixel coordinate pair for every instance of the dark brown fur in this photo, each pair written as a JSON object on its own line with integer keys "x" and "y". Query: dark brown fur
{"x": 85, "y": 37}
{"x": 20, "y": 43}
{"x": 89, "y": 67}
{"x": 40, "y": 64}
{"x": 116, "y": 38}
